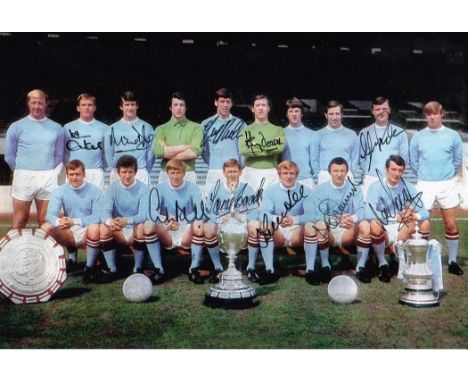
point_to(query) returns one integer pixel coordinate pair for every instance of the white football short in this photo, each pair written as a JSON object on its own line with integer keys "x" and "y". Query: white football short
{"x": 392, "y": 232}
{"x": 368, "y": 180}
{"x": 28, "y": 184}
{"x": 309, "y": 182}
{"x": 338, "y": 233}
{"x": 254, "y": 176}
{"x": 128, "y": 234}
{"x": 288, "y": 233}
{"x": 79, "y": 234}
{"x": 178, "y": 235}
{"x": 212, "y": 176}
{"x": 443, "y": 192}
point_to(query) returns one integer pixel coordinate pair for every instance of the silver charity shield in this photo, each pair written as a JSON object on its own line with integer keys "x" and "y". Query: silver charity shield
{"x": 32, "y": 266}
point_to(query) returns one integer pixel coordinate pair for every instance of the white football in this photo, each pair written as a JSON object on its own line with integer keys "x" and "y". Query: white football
{"x": 137, "y": 288}
{"x": 343, "y": 289}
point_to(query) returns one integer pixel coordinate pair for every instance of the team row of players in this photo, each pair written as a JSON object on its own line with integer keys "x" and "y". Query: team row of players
{"x": 36, "y": 147}
{"x": 174, "y": 214}
{"x": 219, "y": 138}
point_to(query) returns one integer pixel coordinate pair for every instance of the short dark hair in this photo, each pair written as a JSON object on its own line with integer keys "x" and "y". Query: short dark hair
{"x": 128, "y": 96}
{"x": 339, "y": 161}
{"x": 127, "y": 161}
{"x": 74, "y": 164}
{"x": 333, "y": 103}
{"x": 261, "y": 96}
{"x": 380, "y": 100}
{"x": 399, "y": 161}
{"x": 223, "y": 93}
{"x": 178, "y": 95}
{"x": 294, "y": 103}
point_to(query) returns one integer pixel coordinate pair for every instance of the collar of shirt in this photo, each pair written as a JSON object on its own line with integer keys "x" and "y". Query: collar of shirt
{"x": 125, "y": 187}
{"x": 337, "y": 187}
{"x": 389, "y": 185}
{"x": 87, "y": 122}
{"x": 294, "y": 128}
{"x": 226, "y": 186}
{"x": 79, "y": 187}
{"x": 37, "y": 120}
{"x": 223, "y": 119}
{"x": 133, "y": 121}
{"x": 176, "y": 188}
{"x": 334, "y": 129}
{"x": 436, "y": 130}
{"x": 286, "y": 188}
{"x": 175, "y": 122}
{"x": 377, "y": 126}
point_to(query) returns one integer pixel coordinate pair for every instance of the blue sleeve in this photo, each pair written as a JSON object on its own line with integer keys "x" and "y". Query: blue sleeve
{"x": 359, "y": 206}
{"x": 457, "y": 153}
{"x": 66, "y": 138}
{"x": 205, "y": 144}
{"x": 59, "y": 147}
{"x": 96, "y": 201}
{"x": 310, "y": 209}
{"x": 143, "y": 200}
{"x": 252, "y": 210}
{"x": 403, "y": 148}
{"x": 303, "y": 218}
{"x": 417, "y": 203}
{"x": 371, "y": 203}
{"x": 107, "y": 205}
{"x": 354, "y": 155}
{"x": 209, "y": 204}
{"x": 267, "y": 207}
{"x": 150, "y": 158}
{"x": 109, "y": 147}
{"x": 413, "y": 153}
{"x": 198, "y": 204}
{"x": 361, "y": 160}
{"x": 54, "y": 207}
{"x": 314, "y": 155}
{"x": 11, "y": 146}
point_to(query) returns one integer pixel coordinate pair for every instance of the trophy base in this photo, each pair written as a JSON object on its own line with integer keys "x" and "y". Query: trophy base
{"x": 419, "y": 299}
{"x": 231, "y": 293}
{"x": 231, "y": 303}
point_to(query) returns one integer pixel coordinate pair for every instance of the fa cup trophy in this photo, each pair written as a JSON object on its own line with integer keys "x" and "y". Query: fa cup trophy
{"x": 420, "y": 269}
{"x": 231, "y": 292}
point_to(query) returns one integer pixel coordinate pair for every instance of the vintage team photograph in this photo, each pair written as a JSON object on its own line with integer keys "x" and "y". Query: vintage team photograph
{"x": 233, "y": 190}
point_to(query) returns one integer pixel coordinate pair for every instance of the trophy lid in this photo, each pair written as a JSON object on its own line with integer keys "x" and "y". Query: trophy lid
{"x": 417, "y": 239}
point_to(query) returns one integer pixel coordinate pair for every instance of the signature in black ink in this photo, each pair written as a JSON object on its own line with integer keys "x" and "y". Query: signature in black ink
{"x": 333, "y": 211}
{"x": 229, "y": 130}
{"x": 368, "y": 145}
{"x": 265, "y": 231}
{"x": 264, "y": 145}
{"x": 240, "y": 202}
{"x": 76, "y": 134}
{"x": 181, "y": 214}
{"x": 75, "y": 145}
{"x": 141, "y": 142}
{"x": 398, "y": 203}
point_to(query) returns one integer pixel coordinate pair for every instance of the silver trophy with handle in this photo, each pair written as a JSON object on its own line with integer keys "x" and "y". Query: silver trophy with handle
{"x": 231, "y": 292}
{"x": 419, "y": 269}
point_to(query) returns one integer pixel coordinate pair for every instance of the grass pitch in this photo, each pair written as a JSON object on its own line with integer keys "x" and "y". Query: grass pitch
{"x": 292, "y": 315}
